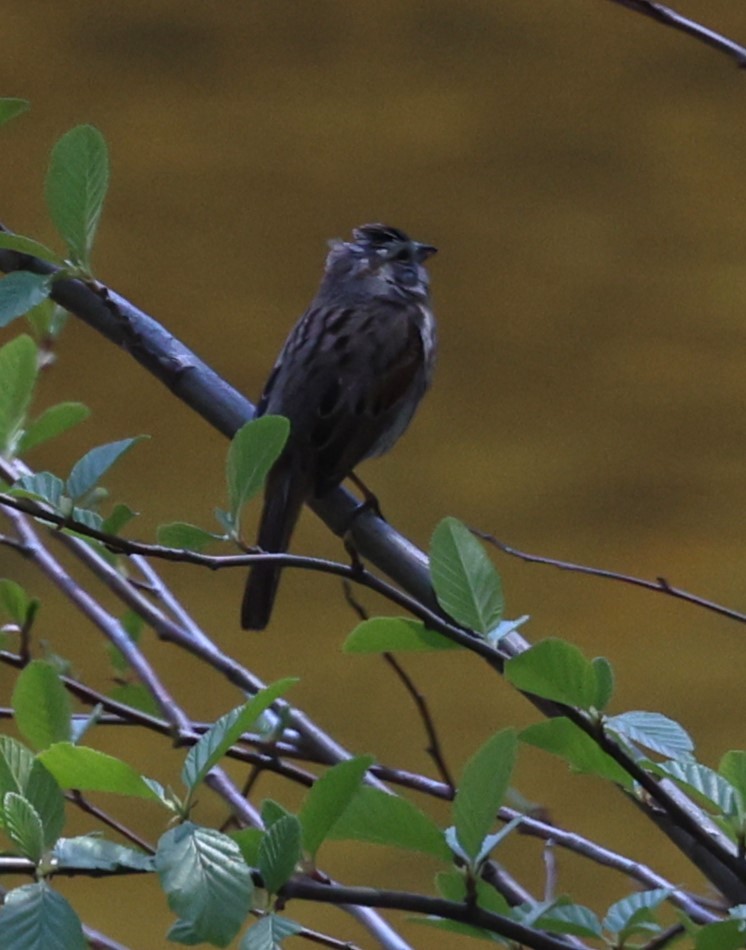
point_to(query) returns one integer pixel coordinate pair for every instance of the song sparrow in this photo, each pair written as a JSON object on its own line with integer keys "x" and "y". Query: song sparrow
{"x": 348, "y": 378}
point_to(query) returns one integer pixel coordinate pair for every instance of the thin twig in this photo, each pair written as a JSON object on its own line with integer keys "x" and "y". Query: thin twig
{"x": 434, "y": 748}
{"x": 106, "y": 819}
{"x": 659, "y": 585}
{"x": 668, "y": 17}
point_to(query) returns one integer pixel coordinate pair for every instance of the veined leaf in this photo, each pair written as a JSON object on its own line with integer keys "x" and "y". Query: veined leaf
{"x": 206, "y": 881}
{"x": 466, "y": 583}
{"x": 482, "y": 789}
{"x": 89, "y": 770}
{"x": 53, "y": 422}
{"x": 41, "y": 705}
{"x": 17, "y": 378}
{"x": 88, "y": 470}
{"x": 228, "y": 729}
{"x": 328, "y": 798}
{"x": 395, "y": 635}
{"x": 35, "y": 917}
{"x": 555, "y": 669}
{"x": 252, "y": 453}
{"x": 27, "y": 245}
{"x": 75, "y": 188}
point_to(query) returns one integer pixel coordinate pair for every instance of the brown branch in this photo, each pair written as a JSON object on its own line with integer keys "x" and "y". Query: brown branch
{"x": 304, "y": 889}
{"x": 106, "y": 819}
{"x": 355, "y": 572}
{"x": 659, "y": 585}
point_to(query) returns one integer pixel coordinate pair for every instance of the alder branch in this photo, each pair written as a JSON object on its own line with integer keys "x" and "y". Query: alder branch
{"x": 351, "y": 572}
{"x": 681, "y": 820}
{"x": 189, "y": 379}
{"x": 383, "y": 899}
{"x": 203, "y": 390}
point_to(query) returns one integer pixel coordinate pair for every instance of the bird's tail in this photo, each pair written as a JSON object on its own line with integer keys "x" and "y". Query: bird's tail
{"x": 283, "y": 499}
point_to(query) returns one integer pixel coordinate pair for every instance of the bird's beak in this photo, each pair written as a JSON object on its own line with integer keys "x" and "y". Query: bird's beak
{"x": 423, "y": 251}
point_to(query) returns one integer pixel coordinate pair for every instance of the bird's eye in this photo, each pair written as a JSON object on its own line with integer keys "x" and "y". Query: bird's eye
{"x": 401, "y": 254}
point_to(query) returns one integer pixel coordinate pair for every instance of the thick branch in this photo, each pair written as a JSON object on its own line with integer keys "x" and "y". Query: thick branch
{"x": 200, "y": 387}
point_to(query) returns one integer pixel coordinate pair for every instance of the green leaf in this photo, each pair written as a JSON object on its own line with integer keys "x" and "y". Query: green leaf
{"x": 46, "y": 796}
{"x": 252, "y": 453}
{"x": 482, "y": 789}
{"x": 272, "y": 811}
{"x": 206, "y": 881}
{"x": 27, "y": 245}
{"x": 379, "y": 818}
{"x": 625, "y": 916}
{"x": 395, "y": 635}
{"x": 563, "y": 738}
{"x": 652, "y": 730}
{"x": 41, "y": 705}
{"x": 20, "y": 772}
{"x": 92, "y": 771}
{"x": 41, "y": 486}
{"x": 75, "y": 188}
{"x": 604, "y": 682}
{"x": 86, "y": 518}
{"x": 23, "y": 825}
{"x": 280, "y": 852}
{"x": 703, "y": 782}
{"x": 554, "y": 669}
{"x": 34, "y": 917}
{"x": 16, "y": 764}
{"x": 10, "y": 108}
{"x": 466, "y": 583}
{"x": 269, "y": 932}
{"x": 87, "y": 471}
{"x": 20, "y": 292}
{"x": 94, "y": 853}
{"x": 724, "y": 935}
{"x": 733, "y": 768}
{"x": 17, "y": 378}
{"x": 190, "y": 537}
{"x": 572, "y": 919}
{"x": 53, "y": 422}
{"x": 328, "y": 798}
{"x": 14, "y": 601}
{"x": 492, "y": 841}
{"x": 120, "y": 516}
{"x": 227, "y": 730}
{"x": 249, "y": 840}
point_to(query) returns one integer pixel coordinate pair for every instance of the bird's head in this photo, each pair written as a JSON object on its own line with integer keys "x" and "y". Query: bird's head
{"x": 383, "y": 261}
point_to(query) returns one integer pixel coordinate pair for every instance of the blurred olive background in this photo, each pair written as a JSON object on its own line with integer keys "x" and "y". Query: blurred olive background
{"x": 582, "y": 171}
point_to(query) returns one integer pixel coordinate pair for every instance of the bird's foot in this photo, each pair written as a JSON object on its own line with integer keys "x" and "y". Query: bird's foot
{"x": 369, "y": 502}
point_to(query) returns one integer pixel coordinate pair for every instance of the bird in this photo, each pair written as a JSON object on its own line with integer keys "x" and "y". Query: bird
{"x": 349, "y": 379}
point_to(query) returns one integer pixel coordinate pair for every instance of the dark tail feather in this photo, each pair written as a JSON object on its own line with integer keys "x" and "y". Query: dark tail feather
{"x": 283, "y": 500}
